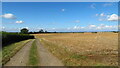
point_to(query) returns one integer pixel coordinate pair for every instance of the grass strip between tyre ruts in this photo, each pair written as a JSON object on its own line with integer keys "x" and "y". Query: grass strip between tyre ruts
{"x": 33, "y": 56}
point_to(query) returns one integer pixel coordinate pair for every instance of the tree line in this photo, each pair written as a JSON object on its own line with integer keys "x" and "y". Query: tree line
{"x": 26, "y": 31}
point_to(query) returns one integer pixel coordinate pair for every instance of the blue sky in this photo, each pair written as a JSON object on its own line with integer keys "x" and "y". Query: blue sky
{"x": 60, "y": 16}
{"x": 60, "y": 0}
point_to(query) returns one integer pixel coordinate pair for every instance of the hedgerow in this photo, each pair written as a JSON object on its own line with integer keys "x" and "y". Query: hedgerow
{"x": 8, "y": 38}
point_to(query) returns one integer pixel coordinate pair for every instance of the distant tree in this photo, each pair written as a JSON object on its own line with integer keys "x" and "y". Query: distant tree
{"x": 94, "y": 32}
{"x": 31, "y": 32}
{"x": 24, "y": 31}
{"x": 41, "y": 31}
{"x": 55, "y": 32}
{"x": 115, "y": 31}
{"x": 46, "y": 32}
{"x": 81, "y": 32}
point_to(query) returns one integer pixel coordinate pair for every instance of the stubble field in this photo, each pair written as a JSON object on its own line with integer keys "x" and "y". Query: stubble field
{"x": 83, "y": 49}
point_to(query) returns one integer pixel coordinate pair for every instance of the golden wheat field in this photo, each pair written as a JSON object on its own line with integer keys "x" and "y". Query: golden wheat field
{"x": 99, "y": 48}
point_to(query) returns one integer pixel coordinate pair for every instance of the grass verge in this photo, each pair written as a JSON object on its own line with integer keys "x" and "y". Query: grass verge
{"x": 33, "y": 56}
{"x": 10, "y": 50}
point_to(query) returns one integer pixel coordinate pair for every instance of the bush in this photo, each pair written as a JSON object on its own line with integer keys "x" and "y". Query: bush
{"x": 8, "y": 38}
{"x": 115, "y": 31}
{"x": 94, "y": 32}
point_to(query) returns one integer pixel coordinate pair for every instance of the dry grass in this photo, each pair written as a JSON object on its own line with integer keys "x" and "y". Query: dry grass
{"x": 97, "y": 47}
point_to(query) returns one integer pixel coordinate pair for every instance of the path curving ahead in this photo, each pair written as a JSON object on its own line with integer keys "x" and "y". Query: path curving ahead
{"x": 21, "y": 57}
{"x": 47, "y": 58}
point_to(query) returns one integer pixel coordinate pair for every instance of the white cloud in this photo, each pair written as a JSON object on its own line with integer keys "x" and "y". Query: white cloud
{"x": 92, "y": 26}
{"x": 75, "y": 27}
{"x": 68, "y": 28}
{"x": 102, "y": 14}
{"x": 27, "y": 27}
{"x": 10, "y": 29}
{"x": 92, "y": 5}
{"x": 78, "y": 27}
{"x": 107, "y": 4}
{"x": 3, "y": 27}
{"x": 95, "y": 27}
{"x": 96, "y": 14}
{"x": 100, "y": 19}
{"x": 108, "y": 27}
{"x": 82, "y": 27}
{"x": 77, "y": 21}
{"x": 24, "y": 27}
{"x": 113, "y": 17}
{"x": 98, "y": 28}
{"x": 19, "y": 22}
{"x": 8, "y": 16}
{"x": 105, "y": 17}
{"x": 62, "y": 10}
{"x": 53, "y": 28}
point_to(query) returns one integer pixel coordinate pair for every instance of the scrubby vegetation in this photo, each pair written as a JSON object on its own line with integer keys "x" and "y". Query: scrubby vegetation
{"x": 8, "y": 38}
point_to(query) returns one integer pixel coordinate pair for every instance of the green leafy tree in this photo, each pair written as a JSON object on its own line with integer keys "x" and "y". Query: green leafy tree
{"x": 45, "y": 31}
{"x": 41, "y": 31}
{"x": 24, "y": 31}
